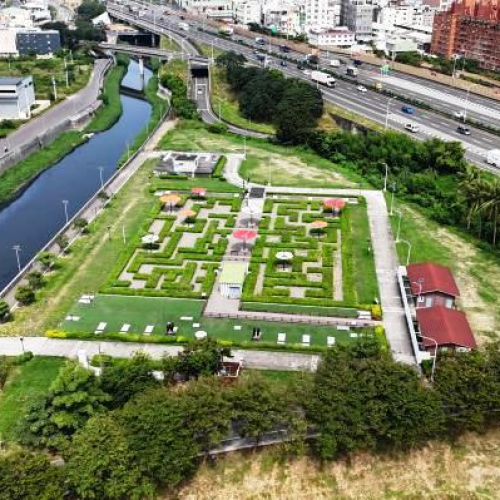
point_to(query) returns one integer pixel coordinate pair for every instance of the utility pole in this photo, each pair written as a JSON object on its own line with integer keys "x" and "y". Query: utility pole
{"x": 67, "y": 79}
{"x": 65, "y": 203}
{"x": 400, "y": 214}
{"x": 385, "y": 177}
{"x": 17, "y": 249}
{"x": 101, "y": 169}
{"x": 54, "y": 88}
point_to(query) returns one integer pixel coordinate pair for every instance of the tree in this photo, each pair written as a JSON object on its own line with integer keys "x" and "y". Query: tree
{"x": 29, "y": 476}
{"x": 73, "y": 397}
{"x": 46, "y": 259}
{"x": 160, "y": 436}
{"x": 4, "y": 311}
{"x": 35, "y": 280}
{"x": 363, "y": 400}
{"x": 82, "y": 224}
{"x": 201, "y": 358}
{"x": 102, "y": 466}
{"x": 62, "y": 241}
{"x": 25, "y": 295}
{"x": 128, "y": 378}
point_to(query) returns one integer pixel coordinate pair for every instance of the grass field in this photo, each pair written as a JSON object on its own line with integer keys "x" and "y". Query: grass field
{"x": 140, "y": 312}
{"x": 284, "y": 166}
{"x": 24, "y": 385}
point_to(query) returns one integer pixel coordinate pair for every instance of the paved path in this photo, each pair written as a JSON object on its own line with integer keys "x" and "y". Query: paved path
{"x": 42, "y": 346}
{"x": 72, "y": 106}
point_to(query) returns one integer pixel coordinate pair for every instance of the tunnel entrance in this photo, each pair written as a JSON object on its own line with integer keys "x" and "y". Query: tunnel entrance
{"x": 198, "y": 67}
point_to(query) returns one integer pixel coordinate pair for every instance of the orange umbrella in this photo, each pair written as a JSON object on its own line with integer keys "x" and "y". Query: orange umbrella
{"x": 334, "y": 204}
{"x": 170, "y": 199}
{"x": 187, "y": 213}
{"x": 319, "y": 224}
{"x": 199, "y": 191}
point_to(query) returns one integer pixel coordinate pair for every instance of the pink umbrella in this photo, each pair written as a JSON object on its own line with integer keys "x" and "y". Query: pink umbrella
{"x": 245, "y": 235}
{"x": 334, "y": 204}
{"x": 199, "y": 191}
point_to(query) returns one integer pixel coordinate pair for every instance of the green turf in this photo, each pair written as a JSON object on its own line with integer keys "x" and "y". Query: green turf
{"x": 24, "y": 385}
{"x": 140, "y": 312}
{"x": 213, "y": 185}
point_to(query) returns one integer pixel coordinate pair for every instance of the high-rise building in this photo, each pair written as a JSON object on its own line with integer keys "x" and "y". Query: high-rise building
{"x": 470, "y": 29}
{"x": 357, "y": 16}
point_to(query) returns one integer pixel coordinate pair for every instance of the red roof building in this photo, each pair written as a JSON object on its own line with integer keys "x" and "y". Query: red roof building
{"x": 432, "y": 284}
{"x": 448, "y": 327}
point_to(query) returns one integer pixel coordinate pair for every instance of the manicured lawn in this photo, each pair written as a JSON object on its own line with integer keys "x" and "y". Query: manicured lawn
{"x": 364, "y": 275}
{"x": 24, "y": 385}
{"x": 140, "y": 312}
{"x": 212, "y": 185}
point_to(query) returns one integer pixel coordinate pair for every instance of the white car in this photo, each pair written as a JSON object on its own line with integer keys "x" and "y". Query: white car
{"x": 200, "y": 91}
{"x": 362, "y": 88}
{"x": 459, "y": 114}
{"x": 412, "y": 128}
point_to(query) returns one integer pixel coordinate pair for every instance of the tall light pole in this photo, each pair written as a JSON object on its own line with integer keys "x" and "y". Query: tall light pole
{"x": 393, "y": 190}
{"x": 101, "y": 170}
{"x": 398, "y": 232}
{"x": 433, "y": 370}
{"x": 21, "y": 341}
{"x": 385, "y": 177}
{"x": 65, "y": 203}
{"x": 408, "y": 255}
{"x": 17, "y": 249}
{"x": 387, "y": 112}
{"x": 466, "y": 105}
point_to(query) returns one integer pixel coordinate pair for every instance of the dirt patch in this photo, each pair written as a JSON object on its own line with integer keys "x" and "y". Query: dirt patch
{"x": 468, "y": 470}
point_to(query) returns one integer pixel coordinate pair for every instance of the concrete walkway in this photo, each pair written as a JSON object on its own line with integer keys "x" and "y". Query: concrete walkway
{"x": 42, "y": 346}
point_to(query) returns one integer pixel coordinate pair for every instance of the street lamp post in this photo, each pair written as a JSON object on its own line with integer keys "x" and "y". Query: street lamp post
{"x": 393, "y": 190}
{"x": 21, "y": 341}
{"x": 387, "y": 112}
{"x": 101, "y": 170}
{"x": 466, "y": 105}
{"x": 433, "y": 370}
{"x": 65, "y": 203}
{"x": 398, "y": 232}
{"x": 408, "y": 255}
{"x": 385, "y": 177}
{"x": 17, "y": 249}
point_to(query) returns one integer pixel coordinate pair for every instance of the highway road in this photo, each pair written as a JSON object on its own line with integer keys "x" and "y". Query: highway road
{"x": 71, "y": 106}
{"x": 370, "y": 104}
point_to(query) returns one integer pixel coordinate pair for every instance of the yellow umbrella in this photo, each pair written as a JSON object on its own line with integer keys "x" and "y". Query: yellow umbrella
{"x": 187, "y": 213}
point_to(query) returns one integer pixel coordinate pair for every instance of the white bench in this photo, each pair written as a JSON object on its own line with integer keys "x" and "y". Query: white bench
{"x": 149, "y": 330}
{"x": 237, "y": 327}
{"x": 281, "y": 338}
{"x": 125, "y": 328}
{"x": 306, "y": 340}
{"x": 100, "y": 327}
{"x": 343, "y": 328}
{"x": 330, "y": 341}
{"x": 186, "y": 318}
{"x": 353, "y": 335}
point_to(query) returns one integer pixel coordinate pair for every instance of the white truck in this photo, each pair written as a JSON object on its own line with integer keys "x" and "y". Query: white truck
{"x": 184, "y": 26}
{"x": 493, "y": 157}
{"x": 352, "y": 71}
{"x": 323, "y": 78}
{"x": 334, "y": 63}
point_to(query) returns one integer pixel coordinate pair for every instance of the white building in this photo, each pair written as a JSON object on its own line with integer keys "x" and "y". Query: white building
{"x": 8, "y": 46}
{"x": 333, "y": 37}
{"x": 357, "y": 15}
{"x": 15, "y": 17}
{"x": 248, "y": 11}
{"x": 17, "y": 95}
{"x": 282, "y": 16}
{"x": 216, "y": 9}
{"x": 319, "y": 14}
{"x": 232, "y": 278}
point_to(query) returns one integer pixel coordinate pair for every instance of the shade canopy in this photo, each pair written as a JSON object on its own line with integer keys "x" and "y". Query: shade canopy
{"x": 187, "y": 213}
{"x": 199, "y": 191}
{"x": 319, "y": 224}
{"x": 244, "y": 234}
{"x": 170, "y": 199}
{"x": 334, "y": 204}
{"x": 148, "y": 239}
{"x": 284, "y": 255}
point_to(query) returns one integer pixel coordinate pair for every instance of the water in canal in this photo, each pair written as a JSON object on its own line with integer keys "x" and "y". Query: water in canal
{"x": 38, "y": 213}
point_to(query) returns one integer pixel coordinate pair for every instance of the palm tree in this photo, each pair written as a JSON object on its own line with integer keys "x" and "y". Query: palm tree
{"x": 491, "y": 205}
{"x": 472, "y": 191}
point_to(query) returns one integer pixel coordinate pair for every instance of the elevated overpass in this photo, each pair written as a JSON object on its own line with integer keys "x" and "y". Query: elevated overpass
{"x": 134, "y": 50}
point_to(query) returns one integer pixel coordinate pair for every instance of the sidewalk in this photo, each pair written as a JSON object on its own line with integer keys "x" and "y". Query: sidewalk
{"x": 42, "y": 346}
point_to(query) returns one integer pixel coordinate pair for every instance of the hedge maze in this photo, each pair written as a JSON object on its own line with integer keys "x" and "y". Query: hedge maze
{"x": 315, "y": 276}
{"x": 184, "y": 252}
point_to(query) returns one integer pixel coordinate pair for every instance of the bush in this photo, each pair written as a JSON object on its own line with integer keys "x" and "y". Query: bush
{"x": 217, "y": 128}
{"x": 35, "y": 280}
{"x": 4, "y": 311}
{"x": 82, "y": 224}
{"x": 25, "y": 295}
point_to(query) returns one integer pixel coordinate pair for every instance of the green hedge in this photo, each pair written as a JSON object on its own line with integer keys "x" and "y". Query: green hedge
{"x": 218, "y": 172}
{"x": 343, "y": 312}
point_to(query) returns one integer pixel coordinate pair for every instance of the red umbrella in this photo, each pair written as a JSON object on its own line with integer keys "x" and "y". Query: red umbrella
{"x": 244, "y": 235}
{"x": 199, "y": 191}
{"x": 336, "y": 204}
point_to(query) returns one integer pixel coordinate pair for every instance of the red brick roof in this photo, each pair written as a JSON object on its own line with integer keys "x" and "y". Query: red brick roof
{"x": 446, "y": 326}
{"x": 434, "y": 278}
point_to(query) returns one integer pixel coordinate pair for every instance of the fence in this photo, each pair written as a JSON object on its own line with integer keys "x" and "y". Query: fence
{"x": 33, "y": 263}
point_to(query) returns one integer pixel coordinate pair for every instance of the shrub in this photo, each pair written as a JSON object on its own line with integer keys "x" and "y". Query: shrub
{"x": 82, "y": 224}
{"x": 25, "y": 295}
{"x": 35, "y": 280}
{"x": 217, "y": 128}
{"x": 376, "y": 311}
{"x": 46, "y": 259}
{"x": 4, "y": 311}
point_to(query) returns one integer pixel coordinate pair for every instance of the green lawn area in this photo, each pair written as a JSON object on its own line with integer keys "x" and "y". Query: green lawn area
{"x": 166, "y": 43}
{"x": 176, "y": 67}
{"x": 364, "y": 273}
{"x": 140, "y": 312}
{"x": 288, "y": 166}
{"x": 24, "y": 385}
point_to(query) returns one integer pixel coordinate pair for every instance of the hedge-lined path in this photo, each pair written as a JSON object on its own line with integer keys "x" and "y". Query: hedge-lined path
{"x": 338, "y": 277}
{"x": 259, "y": 360}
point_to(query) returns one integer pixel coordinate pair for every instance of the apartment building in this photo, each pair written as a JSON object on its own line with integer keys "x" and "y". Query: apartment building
{"x": 357, "y": 16}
